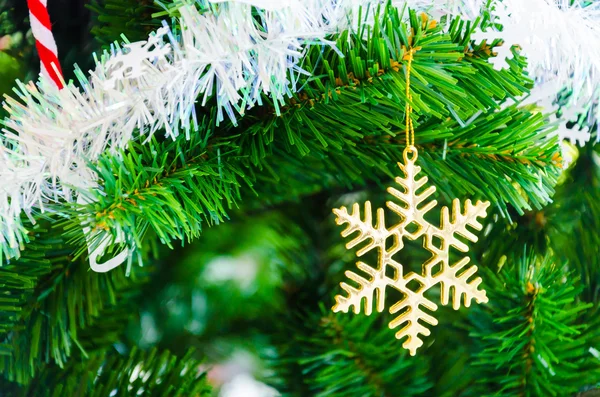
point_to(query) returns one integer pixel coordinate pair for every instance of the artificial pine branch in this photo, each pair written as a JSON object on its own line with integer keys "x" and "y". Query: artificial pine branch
{"x": 20, "y": 278}
{"x": 129, "y": 18}
{"x": 136, "y": 373}
{"x": 529, "y": 338}
{"x": 66, "y": 300}
{"x": 171, "y": 188}
{"x": 574, "y": 219}
{"x": 513, "y": 142}
{"x": 201, "y": 184}
{"x": 455, "y": 88}
{"x": 350, "y": 356}
{"x": 449, "y": 103}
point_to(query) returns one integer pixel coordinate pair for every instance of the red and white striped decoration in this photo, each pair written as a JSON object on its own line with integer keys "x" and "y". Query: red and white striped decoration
{"x": 44, "y": 41}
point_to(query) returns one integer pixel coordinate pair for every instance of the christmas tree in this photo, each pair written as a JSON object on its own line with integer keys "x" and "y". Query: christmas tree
{"x": 172, "y": 196}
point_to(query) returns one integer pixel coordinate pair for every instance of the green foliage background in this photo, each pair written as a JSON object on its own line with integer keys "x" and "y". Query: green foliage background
{"x": 241, "y": 255}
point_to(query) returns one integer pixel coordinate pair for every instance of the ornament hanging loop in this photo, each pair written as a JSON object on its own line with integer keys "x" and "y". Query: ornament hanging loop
{"x": 410, "y": 154}
{"x": 96, "y": 253}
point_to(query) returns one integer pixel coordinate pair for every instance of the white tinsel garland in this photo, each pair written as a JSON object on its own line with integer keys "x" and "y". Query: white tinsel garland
{"x": 145, "y": 87}
{"x": 560, "y": 40}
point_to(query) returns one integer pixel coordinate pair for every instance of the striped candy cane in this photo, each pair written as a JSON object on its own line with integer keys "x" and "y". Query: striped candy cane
{"x": 44, "y": 40}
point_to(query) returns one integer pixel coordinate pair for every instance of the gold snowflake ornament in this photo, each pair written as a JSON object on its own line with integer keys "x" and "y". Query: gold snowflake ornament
{"x": 453, "y": 279}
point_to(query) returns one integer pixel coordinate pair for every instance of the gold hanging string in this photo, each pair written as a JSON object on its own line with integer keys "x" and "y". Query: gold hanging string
{"x": 410, "y": 129}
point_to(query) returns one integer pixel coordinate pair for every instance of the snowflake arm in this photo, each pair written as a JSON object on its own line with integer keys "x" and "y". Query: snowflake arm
{"x": 377, "y": 234}
{"x": 368, "y": 290}
{"x": 455, "y": 278}
{"x": 457, "y": 224}
{"x": 450, "y": 279}
{"x": 413, "y": 315}
{"x": 409, "y": 209}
